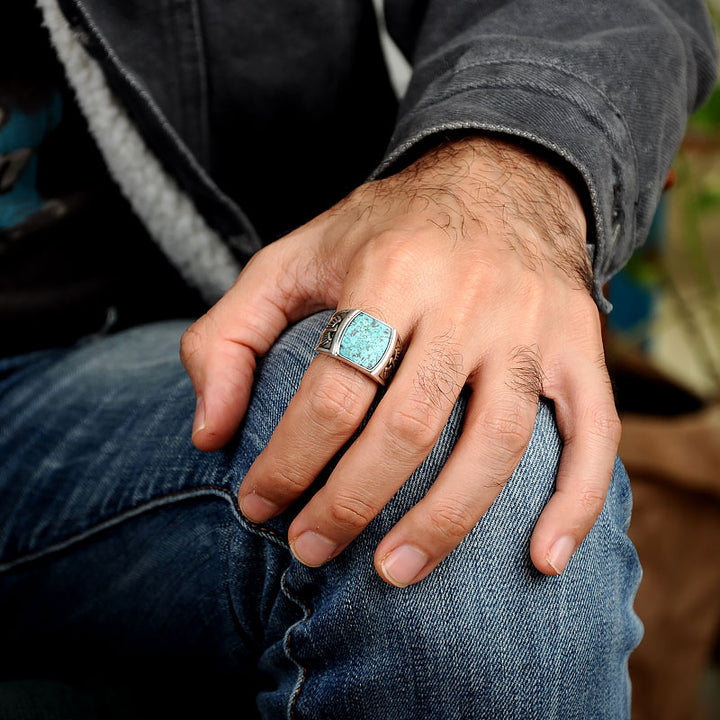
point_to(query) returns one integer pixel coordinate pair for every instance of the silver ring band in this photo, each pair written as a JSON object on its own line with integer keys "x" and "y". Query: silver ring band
{"x": 361, "y": 340}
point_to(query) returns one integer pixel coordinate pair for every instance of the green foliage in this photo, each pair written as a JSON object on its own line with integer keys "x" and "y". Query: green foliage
{"x": 645, "y": 270}
{"x": 707, "y": 118}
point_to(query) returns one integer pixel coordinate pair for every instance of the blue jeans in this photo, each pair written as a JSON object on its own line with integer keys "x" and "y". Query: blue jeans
{"x": 122, "y": 548}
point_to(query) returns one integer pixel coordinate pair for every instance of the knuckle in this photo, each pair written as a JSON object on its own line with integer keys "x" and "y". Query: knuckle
{"x": 335, "y": 401}
{"x": 285, "y": 479}
{"x": 605, "y": 424}
{"x": 350, "y": 514}
{"x": 393, "y": 242}
{"x": 394, "y": 251}
{"x": 526, "y": 373}
{"x": 509, "y": 433}
{"x": 591, "y": 501}
{"x": 191, "y": 343}
{"x": 440, "y": 376}
{"x": 413, "y": 428}
{"x": 451, "y": 520}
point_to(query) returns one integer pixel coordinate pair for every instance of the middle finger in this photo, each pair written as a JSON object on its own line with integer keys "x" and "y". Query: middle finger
{"x": 399, "y": 436}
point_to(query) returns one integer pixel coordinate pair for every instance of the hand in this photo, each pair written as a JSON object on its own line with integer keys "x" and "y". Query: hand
{"x": 476, "y": 255}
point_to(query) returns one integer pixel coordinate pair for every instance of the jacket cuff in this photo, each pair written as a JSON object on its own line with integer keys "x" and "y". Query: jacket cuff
{"x": 556, "y": 110}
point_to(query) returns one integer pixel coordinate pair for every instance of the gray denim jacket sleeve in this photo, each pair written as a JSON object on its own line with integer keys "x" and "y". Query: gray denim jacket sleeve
{"x": 607, "y": 85}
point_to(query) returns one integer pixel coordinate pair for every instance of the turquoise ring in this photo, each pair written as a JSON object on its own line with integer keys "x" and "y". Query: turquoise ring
{"x": 361, "y": 340}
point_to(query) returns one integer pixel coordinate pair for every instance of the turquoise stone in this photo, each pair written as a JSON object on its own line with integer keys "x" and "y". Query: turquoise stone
{"x": 365, "y": 341}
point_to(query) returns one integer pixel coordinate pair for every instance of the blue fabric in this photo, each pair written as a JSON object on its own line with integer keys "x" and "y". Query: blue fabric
{"x": 119, "y": 540}
{"x": 26, "y": 130}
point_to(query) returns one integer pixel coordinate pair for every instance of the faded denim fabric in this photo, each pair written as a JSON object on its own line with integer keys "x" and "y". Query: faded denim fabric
{"x": 246, "y": 103}
{"x": 122, "y": 553}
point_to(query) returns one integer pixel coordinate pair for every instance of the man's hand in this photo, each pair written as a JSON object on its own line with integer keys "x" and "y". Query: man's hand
{"x": 476, "y": 255}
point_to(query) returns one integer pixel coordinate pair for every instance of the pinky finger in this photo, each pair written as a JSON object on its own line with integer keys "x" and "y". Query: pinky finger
{"x": 590, "y": 428}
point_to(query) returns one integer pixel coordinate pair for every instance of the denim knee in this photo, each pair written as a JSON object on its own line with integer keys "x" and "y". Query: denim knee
{"x": 485, "y": 635}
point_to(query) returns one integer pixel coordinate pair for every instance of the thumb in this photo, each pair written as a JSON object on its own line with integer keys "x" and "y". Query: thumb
{"x": 222, "y": 372}
{"x": 219, "y": 350}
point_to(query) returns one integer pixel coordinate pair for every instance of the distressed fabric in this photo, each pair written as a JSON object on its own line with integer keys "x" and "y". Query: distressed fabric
{"x": 123, "y": 556}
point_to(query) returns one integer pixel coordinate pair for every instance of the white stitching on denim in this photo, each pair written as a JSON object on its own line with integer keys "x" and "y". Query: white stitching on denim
{"x": 307, "y": 612}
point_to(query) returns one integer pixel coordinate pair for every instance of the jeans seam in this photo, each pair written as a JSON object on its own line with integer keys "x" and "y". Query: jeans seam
{"x": 137, "y": 510}
{"x": 307, "y": 612}
{"x": 245, "y": 635}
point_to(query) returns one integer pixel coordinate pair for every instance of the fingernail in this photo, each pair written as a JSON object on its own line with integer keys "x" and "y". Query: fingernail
{"x": 313, "y": 549}
{"x": 403, "y": 565}
{"x": 256, "y": 508}
{"x": 199, "y": 422}
{"x": 560, "y": 553}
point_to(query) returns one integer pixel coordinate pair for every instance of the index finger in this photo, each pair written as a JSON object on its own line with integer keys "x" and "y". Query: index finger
{"x": 327, "y": 409}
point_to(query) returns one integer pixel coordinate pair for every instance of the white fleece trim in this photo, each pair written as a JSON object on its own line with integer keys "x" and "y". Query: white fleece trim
{"x": 175, "y": 224}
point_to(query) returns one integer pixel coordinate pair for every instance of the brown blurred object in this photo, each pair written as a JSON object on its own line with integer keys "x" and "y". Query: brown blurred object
{"x": 673, "y": 461}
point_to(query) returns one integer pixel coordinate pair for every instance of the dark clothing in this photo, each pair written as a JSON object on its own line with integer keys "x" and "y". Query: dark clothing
{"x": 264, "y": 114}
{"x": 74, "y": 258}
{"x": 286, "y": 100}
